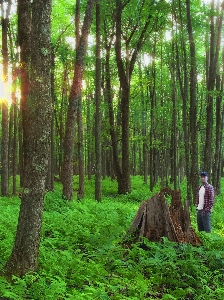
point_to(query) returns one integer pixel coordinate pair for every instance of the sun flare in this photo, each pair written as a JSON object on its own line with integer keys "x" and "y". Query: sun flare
{"x": 5, "y": 90}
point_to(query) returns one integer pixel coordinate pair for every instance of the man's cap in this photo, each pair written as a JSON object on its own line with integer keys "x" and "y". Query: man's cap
{"x": 204, "y": 174}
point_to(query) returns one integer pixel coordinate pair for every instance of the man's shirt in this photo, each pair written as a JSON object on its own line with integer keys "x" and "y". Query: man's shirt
{"x": 201, "y": 197}
{"x": 208, "y": 198}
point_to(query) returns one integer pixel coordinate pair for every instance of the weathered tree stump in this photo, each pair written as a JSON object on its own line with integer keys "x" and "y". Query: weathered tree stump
{"x": 155, "y": 219}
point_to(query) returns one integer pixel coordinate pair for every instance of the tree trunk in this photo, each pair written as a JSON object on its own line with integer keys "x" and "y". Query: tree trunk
{"x": 24, "y": 31}
{"x": 183, "y": 82}
{"x": 81, "y": 168}
{"x": 5, "y": 113}
{"x": 24, "y": 257}
{"x": 144, "y": 162}
{"x": 156, "y": 218}
{"x": 88, "y": 138}
{"x": 15, "y": 130}
{"x": 75, "y": 94}
{"x": 59, "y": 120}
{"x": 216, "y": 178}
{"x": 98, "y": 181}
{"x": 173, "y": 154}
{"x": 108, "y": 96}
{"x": 152, "y": 94}
{"x": 145, "y": 153}
{"x": 10, "y": 140}
{"x": 51, "y": 170}
{"x": 212, "y": 63}
{"x": 193, "y": 104}
{"x": 124, "y": 186}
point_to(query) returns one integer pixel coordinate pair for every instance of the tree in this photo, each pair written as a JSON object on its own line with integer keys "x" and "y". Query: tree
{"x": 133, "y": 41}
{"x": 98, "y": 188}
{"x": 79, "y": 115}
{"x": 182, "y": 75}
{"x": 193, "y": 103}
{"x": 5, "y": 113}
{"x": 212, "y": 72}
{"x": 24, "y": 36}
{"x": 74, "y": 101}
{"x": 37, "y": 129}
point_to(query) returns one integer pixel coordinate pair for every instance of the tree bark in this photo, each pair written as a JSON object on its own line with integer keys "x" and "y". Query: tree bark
{"x": 152, "y": 95}
{"x": 144, "y": 161}
{"x": 24, "y": 35}
{"x": 193, "y": 104}
{"x": 80, "y": 193}
{"x": 75, "y": 94}
{"x": 5, "y": 113}
{"x": 51, "y": 163}
{"x": 183, "y": 82}
{"x": 212, "y": 64}
{"x": 125, "y": 69}
{"x": 115, "y": 167}
{"x": 89, "y": 140}
{"x": 98, "y": 181}
{"x": 125, "y": 184}
{"x": 173, "y": 150}
{"x": 156, "y": 219}
{"x": 15, "y": 142}
{"x": 216, "y": 176}
{"x": 24, "y": 257}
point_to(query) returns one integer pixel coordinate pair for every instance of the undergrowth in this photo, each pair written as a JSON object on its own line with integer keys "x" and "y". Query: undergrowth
{"x": 82, "y": 256}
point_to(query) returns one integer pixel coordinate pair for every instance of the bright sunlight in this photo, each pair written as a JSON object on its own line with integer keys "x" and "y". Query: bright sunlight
{"x": 5, "y": 89}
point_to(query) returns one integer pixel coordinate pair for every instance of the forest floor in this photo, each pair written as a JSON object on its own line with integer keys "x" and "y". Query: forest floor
{"x": 82, "y": 256}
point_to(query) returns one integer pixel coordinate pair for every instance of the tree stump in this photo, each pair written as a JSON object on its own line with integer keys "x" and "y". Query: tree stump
{"x": 155, "y": 219}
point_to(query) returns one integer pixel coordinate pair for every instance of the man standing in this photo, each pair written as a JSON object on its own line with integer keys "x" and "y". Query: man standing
{"x": 204, "y": 203}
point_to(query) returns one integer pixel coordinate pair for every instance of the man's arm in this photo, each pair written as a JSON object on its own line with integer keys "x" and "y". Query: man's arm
{"x": 209, "y": 199}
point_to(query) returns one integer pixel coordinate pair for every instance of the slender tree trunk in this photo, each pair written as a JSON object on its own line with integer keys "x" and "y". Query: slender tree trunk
{"x": 24, "y": 257}
{"x": 125, "y": 185}
{"x": 15, "y": 130}
{"x": 113, "y": 168}
{"x": 21, "y": 156}
{"x": 216, "y": 177}
{"x": 113, "y": 133}
{"x": 13, "y": 152}
{"x": 152, "y": 94}
{"x": 125, "y": 69}
{"x": 144, "y": 164}
{"x": 215, "y": 41}
{"x": 75, "y": 94}
{"x": 89, "y": 140}
{"x": 24, "y": 29}
{"x": 5, "y": 113}
{"x": 59, "y": 119}
{"x": 79, "y": 115}
{"x": 173, "y": 154}
{"x": 134, "y": 154}
{"x": 98, "y": 181}
{"x": 193, "y": 104}
{"x": 50, "y": 173}
{"x": 183, "y": 83}
{"x": 10, "y": 139}
{"x": 81, "y": 167}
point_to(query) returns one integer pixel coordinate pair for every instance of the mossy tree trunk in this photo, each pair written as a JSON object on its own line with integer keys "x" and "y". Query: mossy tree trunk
{"x": 37, "y": 134}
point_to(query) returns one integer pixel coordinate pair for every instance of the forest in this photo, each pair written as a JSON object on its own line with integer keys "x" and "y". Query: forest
{"x": 103, "y": 105}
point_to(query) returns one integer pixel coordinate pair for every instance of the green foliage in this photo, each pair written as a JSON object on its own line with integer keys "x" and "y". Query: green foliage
{"x": 82, "y": 255}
